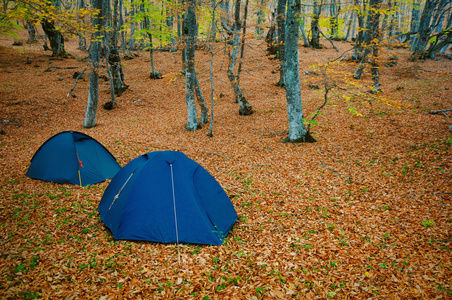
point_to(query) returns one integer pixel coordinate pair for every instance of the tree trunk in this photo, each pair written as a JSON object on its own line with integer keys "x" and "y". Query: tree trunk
{"x": 375, "y": 42}
{"x": 169, "y": 23}
{"x": 81, "y": 43}
{"x": 179, "y": 26}
{"x": 121, "y": 25}
{"x": 144, "y": 25}
{"x": 297, "y": 128}
{"x": 334, "y": 19}
{"x": 55, "y": 37}
{"x": 398, "y": 18}
{"x": 93, "y": 94}
{"x": 189, "y": 27}
{"x": 281, "y": 24}
{"x": 224, "y": 5}
{"x": 448, "y": 25}
{"x": 112, "y": 51}
{"x": 303, "y": 32}
{"x": 424, "y": 29}
{"x": 440, "y": 14}
{"x": 232, "y": 60}
{"x": 242, "y": 40}
{"x": 81, "y": 37}
{"x": 315, "y": 31}
{"x": 212, "y": 89}
{"x": 188, "y": 57}
{"x": 114, "y": 60}
{"x": 415, "y": 19}
{"x": 201, "y": 102}
{"x": 391, "y": 25}
{"x": 244, "y": 107}
{"x": 133, "y": 26}
{"x": 259, "y": 31}
{"x": 31, "y": 33}
{"x": 372, "y": 37}
{"x": 350, "y": 24}
{"x": 442, "y": 40}
{"x": 151, "y": 53}
{"x": 147, "y": 27}
{"x": 112, "y": 84}
{"x": 358, "y": 48}
{"x": 271, "y": 39}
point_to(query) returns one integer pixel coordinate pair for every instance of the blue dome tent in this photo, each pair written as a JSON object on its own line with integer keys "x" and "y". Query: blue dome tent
{"x": 164, "y": 196}
{"x": 72, "y": 157}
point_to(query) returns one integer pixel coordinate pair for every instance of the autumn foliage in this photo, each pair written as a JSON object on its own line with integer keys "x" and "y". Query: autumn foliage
{"x": 365, "y": 212}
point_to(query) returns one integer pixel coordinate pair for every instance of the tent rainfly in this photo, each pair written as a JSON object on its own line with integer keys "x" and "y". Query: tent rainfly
{"x": 166, "y": 197}
{"x": 73, "y": 157}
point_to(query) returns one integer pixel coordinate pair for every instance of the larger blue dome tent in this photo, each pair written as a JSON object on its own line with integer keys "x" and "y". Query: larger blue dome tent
{"x": 73, "y": 157}
{"x": 164, "y": 196}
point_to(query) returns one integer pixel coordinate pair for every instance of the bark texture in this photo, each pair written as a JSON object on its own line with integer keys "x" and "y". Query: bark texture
{"x": 93, "y": 94}
{"x": 424, "y": 29}
{"x": 31, "y": 33}
{"x": 358, "y": 48}
{"x": 190, "y": 33}
{"x": 113, "y": 57}
{"x": 55, "y": 38}
{"x": 371, "y": 40}
{"x": 281, "y": 29}
{"x": 315, "y": 30}
{"x": 297, "y": 128}
{"x": 244, "y": 107}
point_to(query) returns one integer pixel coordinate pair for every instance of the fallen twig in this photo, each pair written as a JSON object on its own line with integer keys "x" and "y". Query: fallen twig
{"x": 325, "y": 96}
{"x": 329, "y": 41}
{"x": 76, "y": 80}
{"x": 445, "y": 193}
{"x": 440, "y": 111}
{"x": 49, "y": 68}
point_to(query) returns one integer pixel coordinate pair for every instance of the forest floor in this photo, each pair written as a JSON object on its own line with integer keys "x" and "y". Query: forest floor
{"x": 365, "y": 212}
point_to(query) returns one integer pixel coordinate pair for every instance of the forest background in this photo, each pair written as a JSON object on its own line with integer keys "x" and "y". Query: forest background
{"x": 363, "y": 212}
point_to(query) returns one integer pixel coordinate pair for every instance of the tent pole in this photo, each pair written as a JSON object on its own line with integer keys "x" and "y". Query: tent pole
{"x": 175, "y": 215}
{"x": 117, "y": 195}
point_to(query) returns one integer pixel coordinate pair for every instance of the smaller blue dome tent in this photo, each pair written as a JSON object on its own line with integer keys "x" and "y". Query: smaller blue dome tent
{"x": 164, "y": 196}
{"x": 73, "y": 157}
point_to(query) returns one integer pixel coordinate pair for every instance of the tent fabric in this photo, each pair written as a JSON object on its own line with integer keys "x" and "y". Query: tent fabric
{"x": 164, "y": 196}
{"x": 72, "y": 157}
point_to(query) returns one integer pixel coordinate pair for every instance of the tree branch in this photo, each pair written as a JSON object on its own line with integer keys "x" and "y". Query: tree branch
{"x": 329, "y": 40}
{"x": 76, "y": 80}
{"x": 440, "y": 112}
{"x": 49, "y": 68}
{"x": 227, "y": 28}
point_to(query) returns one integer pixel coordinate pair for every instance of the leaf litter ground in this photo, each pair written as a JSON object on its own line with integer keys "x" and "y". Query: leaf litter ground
{"x": 363, "y": 213}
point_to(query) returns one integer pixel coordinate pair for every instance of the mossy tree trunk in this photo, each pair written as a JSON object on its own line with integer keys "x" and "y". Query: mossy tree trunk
{"x": 55, "y": 37}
